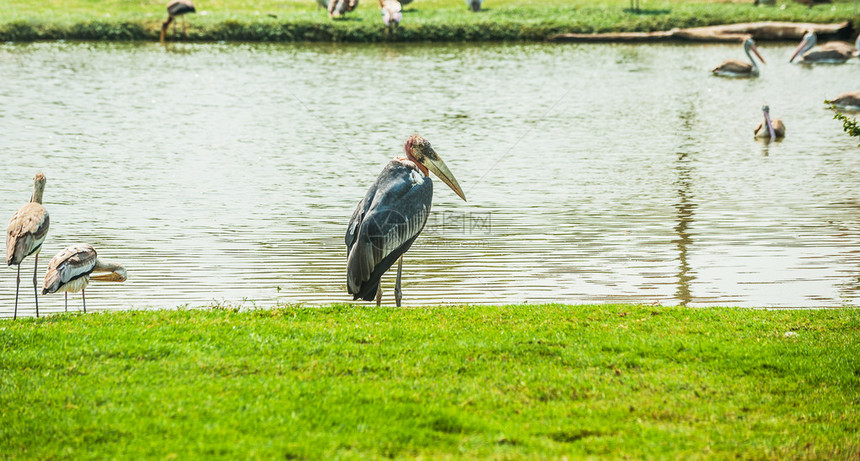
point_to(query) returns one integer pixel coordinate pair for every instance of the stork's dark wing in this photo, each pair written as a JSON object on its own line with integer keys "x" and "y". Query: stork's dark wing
{"x": 74, "y": 262}
{"x": 178, "y": 7}
{"x": 384, "y": 226}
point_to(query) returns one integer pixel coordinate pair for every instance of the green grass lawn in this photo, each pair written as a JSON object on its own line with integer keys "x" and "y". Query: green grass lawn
{"x": 436, "y": 20}
{"x": 503, "y": 382}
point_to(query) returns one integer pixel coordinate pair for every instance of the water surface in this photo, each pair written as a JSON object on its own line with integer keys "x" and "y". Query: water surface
{"x": 594, "y": 173}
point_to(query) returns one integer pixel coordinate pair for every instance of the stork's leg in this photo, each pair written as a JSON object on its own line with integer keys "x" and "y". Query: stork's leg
{"x": 398, "y": 293}
{"x": 17, "y": 285}
{"x": 184, "y": 34}
{"x": 67, "y": 301}
{"x": 36, "y": 290}
{"x": 84, "y": 297}
{"x": 378, "y": 295}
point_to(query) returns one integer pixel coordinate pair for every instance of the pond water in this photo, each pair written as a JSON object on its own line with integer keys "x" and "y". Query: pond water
{"x": 594, "y": 173}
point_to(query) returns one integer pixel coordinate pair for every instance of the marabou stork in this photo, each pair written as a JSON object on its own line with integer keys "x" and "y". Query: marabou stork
{"x": 772, "y": 129}
{"x": 24, "y": 236}
{"x": 847, "y": 101}
{"x": 71, "y": 271}
{"x": 735, "y": 68}
{"x": 829, "y": 53}
{"x": 390, "y": 217}
{"x": 176, "y": 8}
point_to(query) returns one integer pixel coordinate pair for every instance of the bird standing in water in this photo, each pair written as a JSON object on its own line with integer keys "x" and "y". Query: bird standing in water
{"x": 24, "y": 236}
{"x": 391, "y": 216}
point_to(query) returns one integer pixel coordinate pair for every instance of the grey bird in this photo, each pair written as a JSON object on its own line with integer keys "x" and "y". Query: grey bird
{"x": 72, "y": 269}
{"x": 391, "y": 216}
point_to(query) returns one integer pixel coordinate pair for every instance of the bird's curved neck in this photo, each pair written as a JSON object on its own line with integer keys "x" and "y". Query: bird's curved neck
{"x": 749, "y": 56}
{"x": 38, "y": 190}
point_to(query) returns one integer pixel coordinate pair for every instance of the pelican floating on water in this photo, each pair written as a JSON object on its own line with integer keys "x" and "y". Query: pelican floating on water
{"x": 847, "y": 101}
{"x": 828, "y": 53}
{"x": 176, "y": 8}
{"x": 24, "y": 236}
{"x": 736, "y": 68}
{"x": 773, "y": 129}
{"x": 71, "y": 271}
{"x": 391, "y": 216}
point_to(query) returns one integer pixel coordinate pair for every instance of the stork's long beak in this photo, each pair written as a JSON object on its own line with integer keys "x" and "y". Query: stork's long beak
{"x": 800, "y": 49}
{"x": 441, "y": 170}
{"x": 118, "y": 276}
{"x": 769, "y": 126}
{"x": 755, "y": 50}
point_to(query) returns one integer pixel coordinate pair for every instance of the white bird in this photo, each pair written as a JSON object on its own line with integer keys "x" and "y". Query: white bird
{"x": 71, "y": 271}
{"x": 391, "y": 14}
{"x": 735, "y": 68}
{"x": 24, "y": 236}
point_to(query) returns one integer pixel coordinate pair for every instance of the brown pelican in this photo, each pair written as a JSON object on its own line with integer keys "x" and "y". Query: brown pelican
{"x": 735, "y": 68}
{"x": 71, "y": 269}
{"x": 772, "y": 129}
{"x": 829, "y": 53}
{"x": 847, "y": 101}
{"x": 24, "y": 236}
{"x": 176, "y": 8}
{"x": 390, "y": 217}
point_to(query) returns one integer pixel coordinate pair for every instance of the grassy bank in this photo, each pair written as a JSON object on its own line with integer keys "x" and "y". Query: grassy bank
{"x": 466, "y": 382}
{"x": 423, "y": 20}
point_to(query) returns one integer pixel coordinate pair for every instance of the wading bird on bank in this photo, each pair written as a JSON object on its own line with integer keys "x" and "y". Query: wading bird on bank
{"x": 24, "y": 236}
{"x": 176, "y": 8}
{"x": 70, "y": 271}
{"x": 474, "y": 5}
{"x": 735, "y": 68}
{"x": 337, "y": 8}
{"x": 828, "y": 53}
{"x": 390, "y": 217}
{"x": 391, "y": 14}
{"x": 772, "y": 129}
{"x": 847, "y": 101}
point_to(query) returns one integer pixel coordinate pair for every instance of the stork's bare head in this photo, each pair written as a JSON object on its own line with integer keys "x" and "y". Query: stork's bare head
{"x": 419, "y": 150}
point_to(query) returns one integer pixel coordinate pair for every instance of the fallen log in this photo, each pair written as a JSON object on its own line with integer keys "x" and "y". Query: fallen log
{"x": 761, "y": 31}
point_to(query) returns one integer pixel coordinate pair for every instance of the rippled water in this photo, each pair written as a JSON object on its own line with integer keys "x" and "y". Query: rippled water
{"x": 595, "y": 173}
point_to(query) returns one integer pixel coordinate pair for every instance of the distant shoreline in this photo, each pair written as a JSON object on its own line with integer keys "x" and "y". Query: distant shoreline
{"x": 424, "y": 21}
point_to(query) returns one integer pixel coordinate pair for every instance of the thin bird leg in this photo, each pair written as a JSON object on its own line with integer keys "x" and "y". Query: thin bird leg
{"x": 36, "y": 290}
{"x": 67, "y": 301}
{"x": 184, "y": 35}
{"x": 398, "y": 293}
{"x": 84, "y": 297}
{"x": 17, "y": 285}
{"x": 378, "y": 295}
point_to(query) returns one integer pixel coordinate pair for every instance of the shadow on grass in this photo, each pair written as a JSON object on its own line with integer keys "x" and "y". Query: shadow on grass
{"x": 647, "y": 12}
